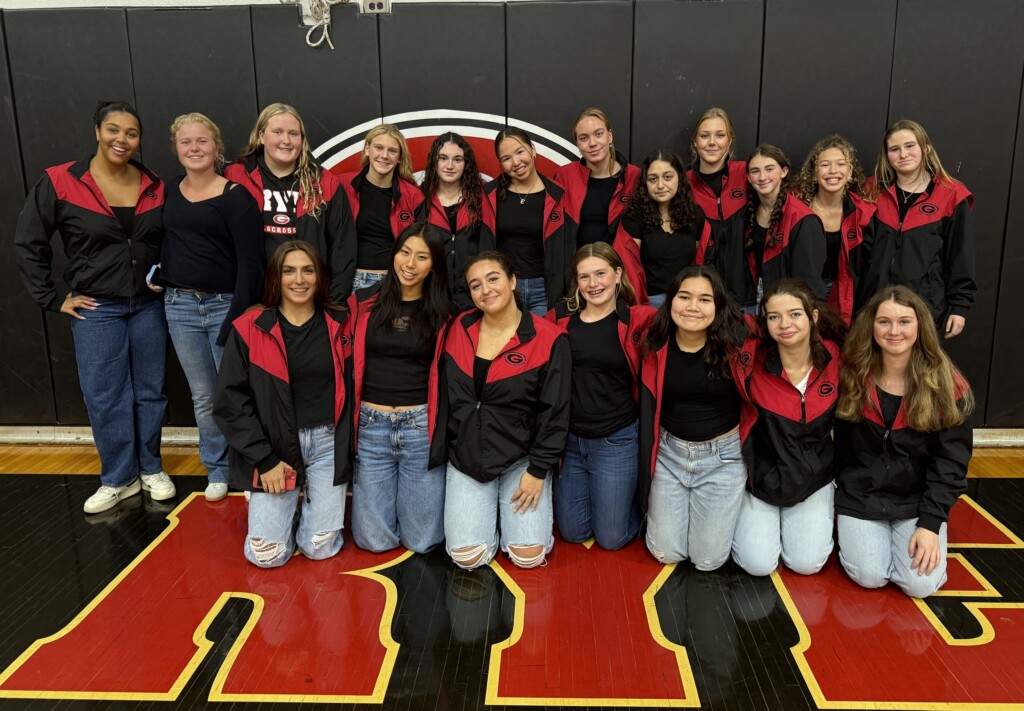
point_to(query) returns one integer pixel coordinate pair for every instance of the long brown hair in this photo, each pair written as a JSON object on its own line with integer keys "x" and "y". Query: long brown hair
{"x": 275, "y": 267}
{"x": 885, "y": 175}
{"x": 472, "y": 190}
{"x": 937, "y": 395}
{"x": 773, "y": 153}
{"x": 713, "y": 113}
{"x": 684, "y": 212}
{"x": 827, "y": 326}
{"x": 605, "y": 252}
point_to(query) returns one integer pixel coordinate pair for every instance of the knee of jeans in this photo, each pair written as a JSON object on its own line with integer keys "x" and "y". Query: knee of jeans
{"x": 863, "y": 576}
{"x": 321, "y": 545}
{"x": 921, "y": 586}
{"x": 526, "y": 556}
{"x": 706, "y": 565}
{"x": 612, "y": 542}
{"x": 470, "y": 557}
{"x": 663, "y": 555}
{"x": 805, "y": 565}
{"x": 267, "y": 554}
{"x": 754, "y": 566}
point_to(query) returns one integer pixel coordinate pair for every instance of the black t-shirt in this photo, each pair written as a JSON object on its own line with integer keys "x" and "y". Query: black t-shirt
{"x": 126, "y": 216}
{"x": 890, "y": 405}
{"x": 602, "y": 384}
{"x": 520, "y": 225}
{"x": 452, "y": 213}
{"x": 833, "y": 243}
{"x": 714, "y": 180}
{"x": 373, "y": 248}
{"x": 695, "y": 407}
{"x": 594, "y": 210}
{"x": 758, "y": 237}
{"x": 398, "y": 358}
{"x": 662, "y": 254}
{"x": 280, "y": 205}
{"x": 480, "y": 368}
{"x": 310, "y": 370}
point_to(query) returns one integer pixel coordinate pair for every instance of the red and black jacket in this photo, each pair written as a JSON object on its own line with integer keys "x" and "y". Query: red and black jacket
{"x": 558, "y": 249}
{"x": 629, "y": 251}
{"x": 857, "y": 216}
{"x": 332, "y": 231}
{"x": 652, "y": 378}
{"x": 899, "y": 473}
{"x": 633, "y": 324}
{"x": 792, "y": 435}
{"x": 405, "y": 198}
{"x": 931, "y": 250}
{"x": 724, "y": 248}
{"x": 360, "y": 306}
{"x": 797, "y": 249}
{"x": 459, "y": 246}
{"x": 253, "y": 406}
{"x": 101, "y": 259}
{"x": 573, "y": 178}
{"x": 524, "y": 409}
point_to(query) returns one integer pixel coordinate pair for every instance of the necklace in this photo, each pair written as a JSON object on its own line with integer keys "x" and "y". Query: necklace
{"x": 523, "y": 196}
{"x": 906, "y": 195}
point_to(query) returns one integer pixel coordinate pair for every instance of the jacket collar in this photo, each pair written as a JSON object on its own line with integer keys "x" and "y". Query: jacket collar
{"x": 396, "y": 189}
{"x": 80, "y": 167}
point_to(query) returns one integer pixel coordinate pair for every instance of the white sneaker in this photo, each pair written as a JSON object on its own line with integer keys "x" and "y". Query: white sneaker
{"x": 159, "y": 486}
{"x": 215, "y": 491}
{"x": 106, "y": 497}
{"x": 248, "y": 496}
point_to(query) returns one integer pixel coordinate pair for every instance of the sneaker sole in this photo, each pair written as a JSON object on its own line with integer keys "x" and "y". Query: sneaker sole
{"x": 216, "y": 498}
{"x": 158, "y": 497}
{"x": 133, "y": 489}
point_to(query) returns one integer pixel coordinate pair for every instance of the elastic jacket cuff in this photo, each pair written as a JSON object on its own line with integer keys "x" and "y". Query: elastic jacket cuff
{"x": 930, "y": 522}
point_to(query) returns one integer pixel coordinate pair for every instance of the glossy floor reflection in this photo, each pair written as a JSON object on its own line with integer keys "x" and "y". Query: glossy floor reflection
{"x": 151, "y": 606}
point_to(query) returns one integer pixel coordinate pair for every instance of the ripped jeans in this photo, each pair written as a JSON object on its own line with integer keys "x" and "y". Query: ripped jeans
{"x": 272, "y": 533}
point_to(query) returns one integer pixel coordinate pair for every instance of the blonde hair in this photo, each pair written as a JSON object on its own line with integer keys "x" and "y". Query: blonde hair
{"x": 203, "y": 120}
{"x": 605, "y": 252}
{"x": 307, "y": 170}
{"x": 601, "y": 116}
{"x": 404, "y": 162}
{"x": 885, "y": 175}
{"x": 713, "y": 113}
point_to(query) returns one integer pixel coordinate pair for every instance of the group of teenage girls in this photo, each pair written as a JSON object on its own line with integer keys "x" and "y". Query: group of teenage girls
{"x": 725, "y": 353}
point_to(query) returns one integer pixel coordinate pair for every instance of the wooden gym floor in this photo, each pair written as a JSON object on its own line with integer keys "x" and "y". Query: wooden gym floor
{"x": 151, "y": 606}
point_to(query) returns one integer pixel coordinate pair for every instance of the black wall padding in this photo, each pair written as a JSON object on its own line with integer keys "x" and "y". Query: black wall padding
{"x": 959, "y": 73}
{"x": 457, "y": 51}
{"x": 827, "y": 68}
{"x": 26, "y": 393}
{"x": 1006, "y": 377}
{"x": 566, "y": 56}
{"x": 332, "y": 91}
{"x": 688, "y": 57}
{"x": 62, "y": 63}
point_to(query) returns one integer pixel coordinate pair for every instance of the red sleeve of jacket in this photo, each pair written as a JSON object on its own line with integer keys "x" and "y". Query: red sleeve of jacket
{"x": 629, "y": 251}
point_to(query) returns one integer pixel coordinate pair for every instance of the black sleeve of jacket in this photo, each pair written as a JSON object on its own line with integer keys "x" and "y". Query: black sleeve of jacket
{"x": 807, "y": 253}
{"x": 958, "y": 261}
{"x": 439, "y": 444}
{"x": 946, "y": 476}
{"x": 234, "y": 409}
{"x": 245, "y": 224}
{"x": 552, "y": 411}
{"x": 32, "y": 244}
{"x": 341, "y": 241}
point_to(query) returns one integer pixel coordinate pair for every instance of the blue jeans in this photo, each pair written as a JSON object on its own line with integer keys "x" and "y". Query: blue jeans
{"x": 695, "y": 499}
{"x": 121, "y": 351}
{"x": 272, "y": 534}
{"x": 396, "y": 499}
{"x": 534, "y": 295}
{"x": 595, "y": 493}
{"x": 874, "y": 553}
{"x": 656, "y": 300}
{"x": 194, "y": 319}
{"x": 362, "y": 279}
{"x": 474, "y": 511}
{"x": 800, "y": 534}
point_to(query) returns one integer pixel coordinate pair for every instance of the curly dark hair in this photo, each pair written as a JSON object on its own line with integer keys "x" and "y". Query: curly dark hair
{"x": 470, "y": 185}
{"x": 753, "y": 200}
{"x": 683, "y": 211}
{"x": 806, "y": 182}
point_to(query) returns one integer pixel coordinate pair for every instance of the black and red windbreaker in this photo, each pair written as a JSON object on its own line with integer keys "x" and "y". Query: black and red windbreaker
{"x": 254, "y": 408}
{"x": 573, "y": 178}
{"x": 360, "y": 306}
{"x": 102, "y": 260}
{"x": 524, "y": 408}
{"x": 558, "y": 249}
{"x": 792, "y": 436}
{"x": 633, "y": 324}
{"x": 895, "y": 474}
{"x": 652, "y": 379}
{"x": 459, "y": 245}
{"x": 332, "y": 230}
{"x": 724, "y": 248}
{"x": 856, "y": 223}
{"x": 931, "y": 250}
{"x": 629, "y": 251}
{"x": 797, "y": 249}
{"x": 406, "y": 198}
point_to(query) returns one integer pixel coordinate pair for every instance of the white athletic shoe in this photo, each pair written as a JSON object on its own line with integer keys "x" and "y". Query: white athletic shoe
{"x": 106, "y": 497}
{"x": 159, "y": 486}
{"x": 215, "y": 491}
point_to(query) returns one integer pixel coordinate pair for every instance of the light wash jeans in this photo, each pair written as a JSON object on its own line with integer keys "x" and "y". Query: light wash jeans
{"x": 800, "y": 534}
{"x": 595, "y": 492}
{"x": 474, "y": 511}
{"x": 194, "y": 320}
{"x": 121, "y": 352}
{"x": 272, "y": 533}
{"x": 396, "y": 499}
{"x": 695, "y": 500}
{"x": 534, "y": 295}
{"x": 362, "y": 279}
{"x": 874, "y": 553}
